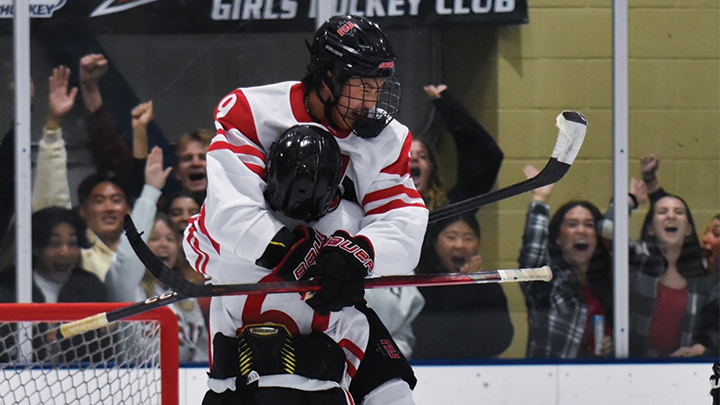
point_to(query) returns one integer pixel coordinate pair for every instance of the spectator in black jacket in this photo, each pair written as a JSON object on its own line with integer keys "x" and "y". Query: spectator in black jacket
{"x": 475, "y": 316}
{"x": 478, "y": 155}
{"x": 478, "y": 163}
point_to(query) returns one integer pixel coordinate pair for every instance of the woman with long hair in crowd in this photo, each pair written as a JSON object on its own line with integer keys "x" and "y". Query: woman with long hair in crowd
{"x": 560, "y": 312}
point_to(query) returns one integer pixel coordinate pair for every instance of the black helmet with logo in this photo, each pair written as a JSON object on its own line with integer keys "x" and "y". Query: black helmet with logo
{"x": 352, "y": 46}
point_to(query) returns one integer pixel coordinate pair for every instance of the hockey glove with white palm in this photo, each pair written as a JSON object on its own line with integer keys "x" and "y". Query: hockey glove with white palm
{"x": 291, "y": 254}
{"x": 343, "y": 264}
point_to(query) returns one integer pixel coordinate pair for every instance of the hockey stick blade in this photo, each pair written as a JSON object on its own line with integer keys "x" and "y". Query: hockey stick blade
{"x": 572, "y": 127}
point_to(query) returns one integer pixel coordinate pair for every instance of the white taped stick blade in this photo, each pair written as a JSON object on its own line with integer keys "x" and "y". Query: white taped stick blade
{"x": 572, "y": 126}
{"x": 533, "y": 274}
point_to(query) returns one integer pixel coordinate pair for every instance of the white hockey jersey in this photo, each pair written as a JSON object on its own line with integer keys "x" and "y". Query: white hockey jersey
{"x": 235, "y": 225}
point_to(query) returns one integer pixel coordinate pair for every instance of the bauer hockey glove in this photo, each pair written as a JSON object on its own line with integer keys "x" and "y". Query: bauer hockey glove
{"x": 343, "y": 263}
{"x": 291, "y": 254}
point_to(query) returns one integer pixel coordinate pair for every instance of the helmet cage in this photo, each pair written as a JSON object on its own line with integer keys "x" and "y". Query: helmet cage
{"x": 368, "y": 123}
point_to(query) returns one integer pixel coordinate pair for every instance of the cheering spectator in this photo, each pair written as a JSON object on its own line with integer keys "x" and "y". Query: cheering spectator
{"x": 463, "y": 312}
{"x": 478, "y": 163}
{"x": 560, "y": 312}
{"x": 706, "y": 341}
{"x": 58, "y": 234}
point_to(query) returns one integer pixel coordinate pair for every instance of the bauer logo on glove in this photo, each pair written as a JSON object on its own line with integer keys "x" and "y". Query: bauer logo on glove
{"x": 342, "y": 242}
{"x": 343, "y": 263}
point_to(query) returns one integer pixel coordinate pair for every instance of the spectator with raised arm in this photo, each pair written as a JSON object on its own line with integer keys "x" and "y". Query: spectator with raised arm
{"x": 112, "y": 153}
{"x": 109, "y": 151}
{"x": 560, "y": 312}
{"x": 50, "y": 186}
{"x": 102, "y": 199}
{"x": 673, "y": 301}
{"x": 669, "y": 287}
{"x": 478, "y": 162}
{"x": 705, "y": 338}
{"x": 478, "y": 155}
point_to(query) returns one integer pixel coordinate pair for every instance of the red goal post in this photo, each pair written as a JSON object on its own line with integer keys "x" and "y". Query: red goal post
{"x": 133, "y": 361}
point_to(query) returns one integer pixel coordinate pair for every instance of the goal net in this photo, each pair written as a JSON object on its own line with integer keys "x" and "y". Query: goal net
{"x": 133, "y": 361}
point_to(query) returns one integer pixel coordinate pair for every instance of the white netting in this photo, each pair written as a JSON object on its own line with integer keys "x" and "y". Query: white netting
{"x": 119, "y": 364}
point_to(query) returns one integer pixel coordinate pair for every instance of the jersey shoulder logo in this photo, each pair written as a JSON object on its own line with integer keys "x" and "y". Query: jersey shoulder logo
{"x": 387, "y": 348}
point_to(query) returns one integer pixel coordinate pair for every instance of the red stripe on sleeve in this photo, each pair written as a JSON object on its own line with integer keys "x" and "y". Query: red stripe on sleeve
{"x": 243, "y": 150}
{"x": 350, "y": 346}
{"x": 203, "y": 229}
{"x": 202, "y": 257}
{"x": 351, "y": 370}
{"x": 259, "y": 170}
{"x": 389, "y": 193}
{"x": 393, "y": 205}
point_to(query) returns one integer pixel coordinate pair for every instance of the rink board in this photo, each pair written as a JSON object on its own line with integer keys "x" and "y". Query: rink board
{"x": 541, "y": 384}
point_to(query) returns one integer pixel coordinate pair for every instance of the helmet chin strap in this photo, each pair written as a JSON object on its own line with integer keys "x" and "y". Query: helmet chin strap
{"x": 330, "y": 102}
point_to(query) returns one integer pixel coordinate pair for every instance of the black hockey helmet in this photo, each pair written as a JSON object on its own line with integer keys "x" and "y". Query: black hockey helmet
{"x": 352, "y": 46}
{"x": 303, "y": 172}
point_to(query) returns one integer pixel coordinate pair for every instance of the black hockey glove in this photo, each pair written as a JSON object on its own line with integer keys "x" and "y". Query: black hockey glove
{"x": 291, "y": 254}
{"x": 343, "y": 263}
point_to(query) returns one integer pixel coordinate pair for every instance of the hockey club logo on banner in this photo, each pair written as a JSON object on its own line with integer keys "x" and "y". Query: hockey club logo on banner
{"x": 38, "y": 8}
{"x": 116, "y": 6}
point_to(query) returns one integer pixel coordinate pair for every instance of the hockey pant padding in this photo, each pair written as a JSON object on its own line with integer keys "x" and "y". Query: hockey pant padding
{"x": 269, "y": 349}
{"x": 383, "y": 361}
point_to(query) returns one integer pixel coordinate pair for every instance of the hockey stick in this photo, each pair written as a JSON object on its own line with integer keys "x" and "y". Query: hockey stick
{"x": 183, "y": 289}
{"x": 572, "y": 127}
{"x": 182, "y": 286}
{"x": 422, "y": 280}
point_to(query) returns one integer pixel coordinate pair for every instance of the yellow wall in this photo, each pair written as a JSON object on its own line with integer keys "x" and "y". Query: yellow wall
{"x": 519, "y": 78}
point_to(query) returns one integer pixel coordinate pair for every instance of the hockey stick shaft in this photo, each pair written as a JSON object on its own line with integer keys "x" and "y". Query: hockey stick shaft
{"x": 572, "y": 127}
{"x": 414, "y": 280}
{"x": 553, "y": 171}
{"x": 421, "y": 280}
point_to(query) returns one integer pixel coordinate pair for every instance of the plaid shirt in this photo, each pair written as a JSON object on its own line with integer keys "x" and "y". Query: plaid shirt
{"x": 646, "y": 270}
{"x": 557, "y": 312}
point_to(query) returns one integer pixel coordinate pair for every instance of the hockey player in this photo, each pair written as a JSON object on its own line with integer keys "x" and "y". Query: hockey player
{"x": 350, "y": 90}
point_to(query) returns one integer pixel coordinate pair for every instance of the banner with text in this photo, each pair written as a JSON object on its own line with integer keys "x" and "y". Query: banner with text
{"x": 216, "y": 16}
